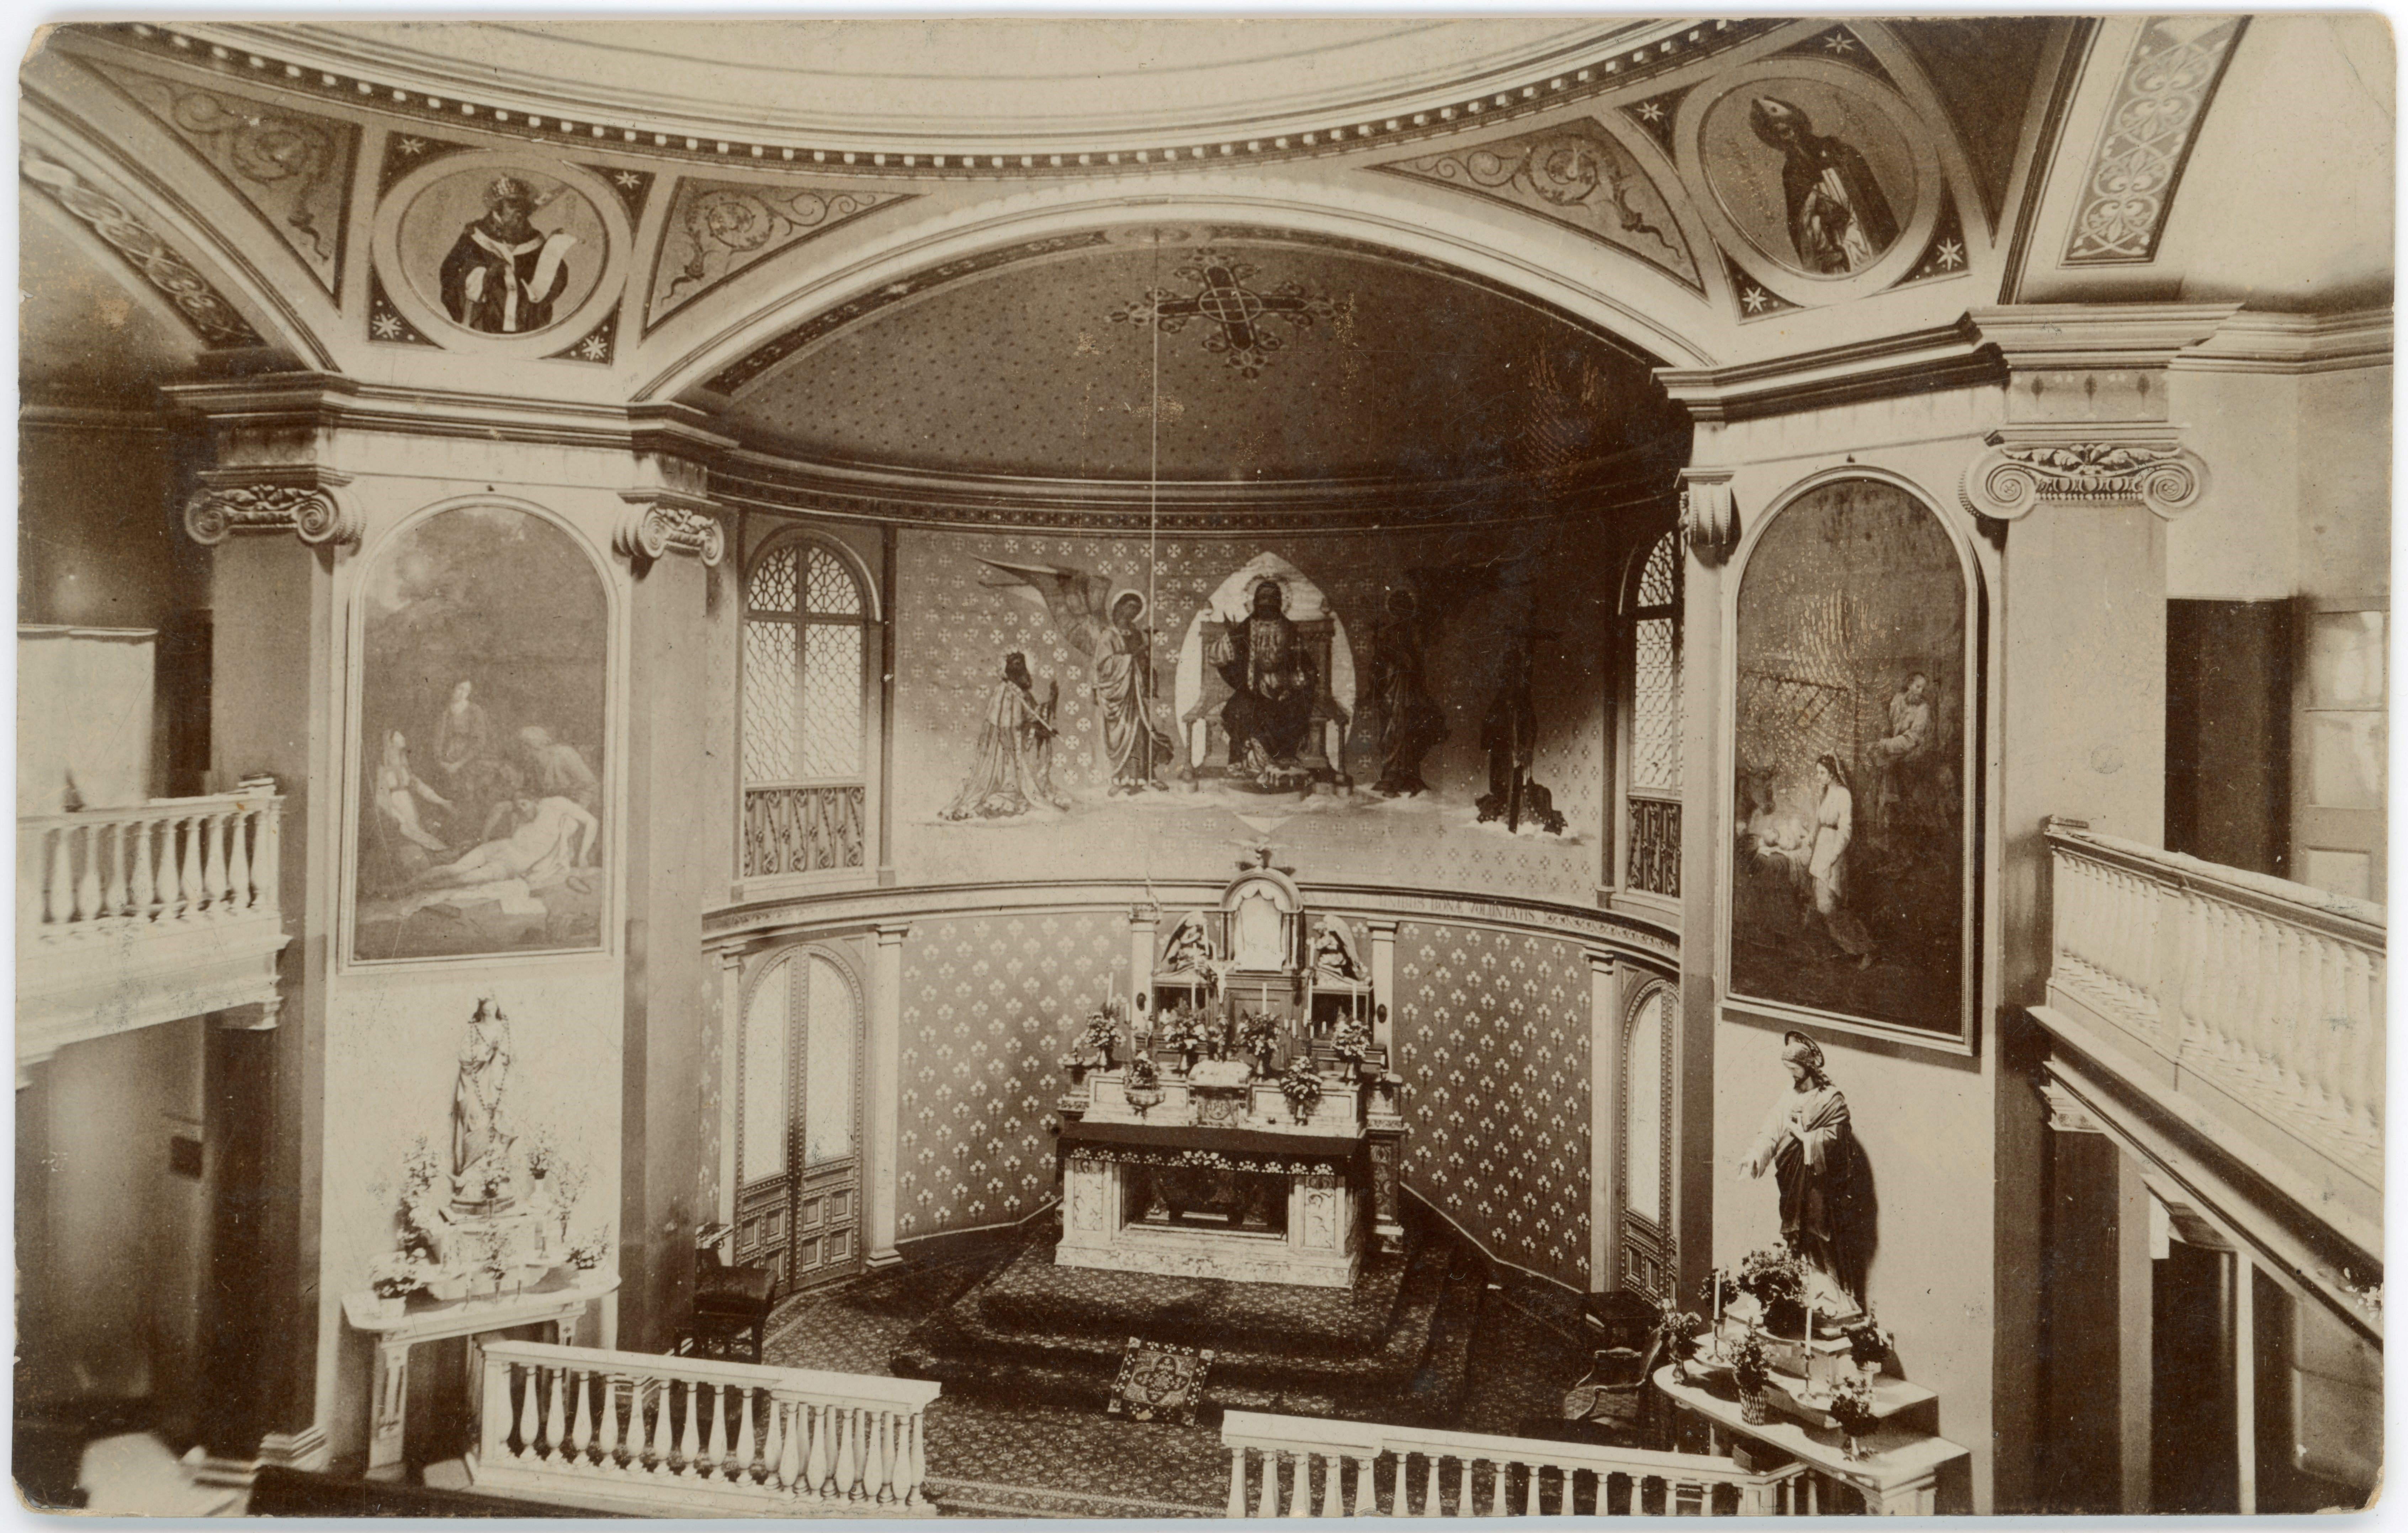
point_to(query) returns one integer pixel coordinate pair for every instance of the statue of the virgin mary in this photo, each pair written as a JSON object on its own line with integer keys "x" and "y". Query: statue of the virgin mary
{"x": 481, "y": 1136}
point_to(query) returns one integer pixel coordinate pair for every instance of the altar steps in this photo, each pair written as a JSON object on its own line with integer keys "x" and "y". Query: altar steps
{"x": 1393, "y": 1349}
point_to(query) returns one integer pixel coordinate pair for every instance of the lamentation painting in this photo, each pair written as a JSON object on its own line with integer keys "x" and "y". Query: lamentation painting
{"x": 1850, "y": 883}
{"x": 482, "y": 797}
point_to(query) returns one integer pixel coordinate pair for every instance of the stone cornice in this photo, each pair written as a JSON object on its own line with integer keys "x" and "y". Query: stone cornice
{"x": 765, "y": 482}
{"x": 2293, "y": 344}
{"x": 2076, "y": 335}
{"x": 301, "y": 67}
{"x": 1945, "y": 356}
{"x": 305, "y": 401}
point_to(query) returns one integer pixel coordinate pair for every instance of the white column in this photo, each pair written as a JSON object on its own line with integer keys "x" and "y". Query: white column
{"x": 1604, "y": 1118}
{"x": 884, "y": 1089}
{"x": 731, "y": 1056}
{"x": 1384, "y": 985}
{"x": 2245, "y": 1378}
{"x": 1144, "y": 921}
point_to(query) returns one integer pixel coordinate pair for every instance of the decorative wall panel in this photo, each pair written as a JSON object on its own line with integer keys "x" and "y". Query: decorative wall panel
{"x": 1493, "y": 1041}
{"x": 990, "y": 1008}
{"x": 716, "y": 229}
{"x": 2159, "y": 104}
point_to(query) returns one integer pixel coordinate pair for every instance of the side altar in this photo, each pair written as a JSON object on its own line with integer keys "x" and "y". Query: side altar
{"x": 1238, "y": 1122}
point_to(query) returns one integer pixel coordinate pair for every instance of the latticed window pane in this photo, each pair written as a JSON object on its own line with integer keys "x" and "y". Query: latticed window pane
{"x": 1655, "y": 720}
{"x": 831, "y": 722}
{"x": 1643, "y": 1147}
{"x": 832, "y": 588}
{"x": 761, "y": 1150}
{"x": 773, "y": 582}
{"x": 827, "y": 1092}
{"x": 1657, "y": 585}
{"x": 771, "y": 687}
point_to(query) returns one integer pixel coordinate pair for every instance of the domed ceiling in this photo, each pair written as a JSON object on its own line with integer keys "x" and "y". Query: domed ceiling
{"x": 1280, "y": 359}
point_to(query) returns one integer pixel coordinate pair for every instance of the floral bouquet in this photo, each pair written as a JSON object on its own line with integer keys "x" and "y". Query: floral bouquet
{"x": 1300, "y": 1086}
{"x": 1258, "y": 1035}
{"x": 1851, "y": 1408}
{"x": 589, "y": 1251}
{"x": 1141, "y": 1073}
{"x": 1752, "y": 1371}
{"x": 1867, "y": 1345}
{"x": 1101, "y": 1038}
{"x": 1352, "y": 1041}
{"x": 542, "y": 1150}
{"x": 1677, "y": 1332}
{"x": 1777, "y": 1281}
{"x": 397, "y": 1276}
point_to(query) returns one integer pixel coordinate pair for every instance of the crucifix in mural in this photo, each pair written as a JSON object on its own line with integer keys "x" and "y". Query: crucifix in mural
{"x": 1236, "y": 315}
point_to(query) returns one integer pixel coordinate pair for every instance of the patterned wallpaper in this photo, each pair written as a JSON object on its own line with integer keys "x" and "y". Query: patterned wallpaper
{"x": 990, "y": 1008}
{"x": 1493, "y": 1041}
{"x": 952, "y": 633}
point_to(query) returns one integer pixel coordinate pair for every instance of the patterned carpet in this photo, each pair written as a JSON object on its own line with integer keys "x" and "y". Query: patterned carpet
{"x": 1006, "y": 1456}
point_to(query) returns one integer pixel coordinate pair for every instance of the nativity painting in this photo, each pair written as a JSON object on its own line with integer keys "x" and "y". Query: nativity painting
{"x": 483, "y": 678}
{"x": 1850, "y": 883}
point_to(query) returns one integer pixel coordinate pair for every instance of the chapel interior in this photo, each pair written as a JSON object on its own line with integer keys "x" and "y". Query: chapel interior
{"x": 1324, "y": 767}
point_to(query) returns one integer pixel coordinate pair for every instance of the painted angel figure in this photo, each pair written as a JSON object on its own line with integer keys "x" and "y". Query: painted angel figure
{"x": 1119, "y": 648}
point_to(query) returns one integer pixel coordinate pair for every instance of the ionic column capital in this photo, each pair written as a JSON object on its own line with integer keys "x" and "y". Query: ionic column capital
{"x": 2082, "y": 464}
{"x": 660, "y": 521}
{"x": 303, "y": 498}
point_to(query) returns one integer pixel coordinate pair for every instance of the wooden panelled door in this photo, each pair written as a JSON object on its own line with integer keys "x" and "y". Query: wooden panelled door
{"x": 798, "y": 1155}
{"x": 2340, "y": 760}
{"x": 1644, "y": 1166}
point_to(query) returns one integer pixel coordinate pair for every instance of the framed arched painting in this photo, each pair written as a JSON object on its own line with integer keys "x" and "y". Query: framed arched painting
{"x": 1853, "y": 730}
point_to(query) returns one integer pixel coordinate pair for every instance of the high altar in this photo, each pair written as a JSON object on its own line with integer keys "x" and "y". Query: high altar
{"x": 1242, "y": 1124}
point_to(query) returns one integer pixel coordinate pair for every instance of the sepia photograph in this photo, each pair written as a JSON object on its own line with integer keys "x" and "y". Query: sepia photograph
{"x": 1202, "y": 766}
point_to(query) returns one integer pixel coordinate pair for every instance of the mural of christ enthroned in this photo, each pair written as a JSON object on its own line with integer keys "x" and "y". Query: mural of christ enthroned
{"x": 1266, "y": 685}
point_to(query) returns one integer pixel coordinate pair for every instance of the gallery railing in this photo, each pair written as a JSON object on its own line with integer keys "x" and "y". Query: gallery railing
{"x": 2258, "y": 1000}
{"x": 1655, "y": 866}
{"x": 1300, "y": 1466}
{"x": 141, "y": 914}
{"x": 695, "y": 1437}
{"x": 815, "y": 828}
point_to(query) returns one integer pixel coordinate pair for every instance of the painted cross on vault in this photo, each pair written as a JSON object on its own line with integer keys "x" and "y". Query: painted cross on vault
{"x": 1237, "y": 314}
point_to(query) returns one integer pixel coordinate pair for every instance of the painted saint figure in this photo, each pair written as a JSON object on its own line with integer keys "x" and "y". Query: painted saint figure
{"x": 1013, "y": 771}
{"x": 1826, "y": 865}
{"x": 553, "y": 839}
{"x": 463, "y": 734}
{"x": 504, "y": 274}
{"x": 1900, "y": 756}
{"x": 1411, "y": 723}
{"x": 1839, "y": 219}
{"x": 398, "y": 791}
{"x": 1807, "y": 1143}
{"x": 560, "y": 771}
{"x": 1510, "y": 734}
{"x": 1271, "y": 680}
{"x": 1119, "y": 648}
{"x": 481, "y": 1136}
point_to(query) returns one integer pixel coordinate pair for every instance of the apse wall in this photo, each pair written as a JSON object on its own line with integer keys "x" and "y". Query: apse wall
{"x": 957, "y": 616}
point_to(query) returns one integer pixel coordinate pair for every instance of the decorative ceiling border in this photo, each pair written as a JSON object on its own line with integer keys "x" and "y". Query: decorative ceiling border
{"x": 1620, "y": 68}
{"x": 219, "y": 325}
{"x": 2161, "y": 97}
{"x": 735, "y": 376}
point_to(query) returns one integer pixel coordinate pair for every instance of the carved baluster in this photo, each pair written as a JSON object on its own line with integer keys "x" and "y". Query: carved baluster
{"x": 1367, "y": 1486}
{"x": 556, "y": 1416}
{"x": 714, "y": 1437}
{"x": 918, "y": 1459}
{"x": 1531, "y": 1492}
{"x": 883, "y": 1464}
{"x": 1464, "y": 1506}
{"x": 238, "y": 860}
{"x": 142, "y": 891}
{"x": 793, "y": 1426}
{"x": 749, "y": 1468}
{"x": 1332, "y": 1503}
{"x": 664, "y": 1429}
{"x": 112, "y": 892}
{"x": 189, "y": 893}
{"x": 688, "y": 1436}
{"x": 213, "y": 862}
{"x": 607, "y": 1446}
{"x": 265, "y": 868}
{"x": 580, "y": 1418}
{"x": 87, "y": 889}
{"x": 818, "y": 1463}
{"x": 1498, "y": 1488}
{"x": 1237, "y": 1480}
{"x": 1267, "y": 1501}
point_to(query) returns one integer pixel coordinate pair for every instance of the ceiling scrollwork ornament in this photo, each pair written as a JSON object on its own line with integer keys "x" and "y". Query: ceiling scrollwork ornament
{"x": 658, "y": 523}
{"x": 314, "y": 508}
{"x": 2014, "y": 475}
{"x": 200, "y": 306}
{"x": 1709, "y": 514}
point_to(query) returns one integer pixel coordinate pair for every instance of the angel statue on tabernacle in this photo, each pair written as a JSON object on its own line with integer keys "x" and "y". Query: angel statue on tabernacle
{"x": 1119, "y": 648}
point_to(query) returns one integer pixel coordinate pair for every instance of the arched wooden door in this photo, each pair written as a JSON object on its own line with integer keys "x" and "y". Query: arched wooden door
{"x": 1644, "y": 1203}
{"x": 798, "y": 1122}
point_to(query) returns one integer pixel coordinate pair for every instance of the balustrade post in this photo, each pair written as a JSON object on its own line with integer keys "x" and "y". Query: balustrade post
{"x": 494, "y": 1420}
{"x": 112, "y": 899}
{"x": 1367, "y": 1486}
{"x": 1332, "y": 1503}
{"x": 188, "y": 877}
{"x": 267, "y": 865}
{"x": 714, "y": 1438}
{"x": 792, "y": 1427}
{"x": 663, "y": 1428}
{"x": 238, "y": 859}
{"x": 527, "y": 1386}
{"x": 1237, "y": 1480}
{"x": 1299, "y": 1502}
{"x": 1267, "y": 1501}
{"x": 912, "y": 1496}
{"x": 1463, "y": 1504}
{"x": 608, "y": 1445}
{"x": 213, "y": 860}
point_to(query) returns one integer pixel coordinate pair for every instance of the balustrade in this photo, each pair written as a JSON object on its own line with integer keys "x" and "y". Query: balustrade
{"x": 89, "y": 873}
{"x": 697, "y": 1437}
{"x": 1275, "y": 1463}
{"x": 2240, "y": 987}
{"x": 803, "y": 829}
{"x": 1655, "y": 846}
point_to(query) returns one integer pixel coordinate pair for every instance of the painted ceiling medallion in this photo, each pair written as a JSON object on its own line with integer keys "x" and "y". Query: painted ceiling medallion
{"x": 1236, "y": 317}
{"x": 1577, "y": 175}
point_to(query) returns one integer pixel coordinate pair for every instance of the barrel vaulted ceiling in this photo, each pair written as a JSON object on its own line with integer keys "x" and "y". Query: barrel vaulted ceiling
{"x": 1401, "y": 249}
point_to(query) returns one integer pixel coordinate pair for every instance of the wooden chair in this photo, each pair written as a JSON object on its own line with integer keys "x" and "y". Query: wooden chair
{"x": 731, "y": 1304}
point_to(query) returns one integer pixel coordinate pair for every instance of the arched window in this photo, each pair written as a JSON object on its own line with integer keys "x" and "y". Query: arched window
{"x": 1645, "y": 1203}
{"x": 798, "y": 1201}
{"x": 1651, "y": 828}
{"x": 807, "y": 688}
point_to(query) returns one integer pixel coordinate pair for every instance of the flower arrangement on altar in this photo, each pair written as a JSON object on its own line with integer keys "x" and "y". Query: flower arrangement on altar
{"x": 397, "y": 1275}
{"x": 1867, "y": 1345}
{"x": 1300, "y": 1086}
{"x": 1852, "y": 1410}
{"x": 1141, "y": 1074}
{"x": 1677, "y": 1331}
{"x": 1187, "y": 1032}
{"x": 1352, "y": 1041}
{"x": 1750, "y": 1370}
{"x": 1101, "y": 1037}
{"x": 1776, "y": 1279}
{"x": 589, "y": 1251}
{"x": 1258, "y": 1034}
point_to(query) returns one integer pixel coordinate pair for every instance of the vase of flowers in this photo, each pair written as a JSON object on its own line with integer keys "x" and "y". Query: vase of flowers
{"x": 1100, "y": 1039}
{"x": 1301, "y": 1087}
{"x": 589, "y": 1251}
{"x": 1259, "y": 1036}
{"x": 1777, "y": 1281}
{"x": 1867, "y": 1345}
{"x": 1752, "y": 1371}
{"x": 392, "y": 1279}
{"x": 1352, "y": 1043}
{"x": 1676, "y": 1337}
{"x": 1140, "y": 1083}
{"x": 1851, "y": 1408}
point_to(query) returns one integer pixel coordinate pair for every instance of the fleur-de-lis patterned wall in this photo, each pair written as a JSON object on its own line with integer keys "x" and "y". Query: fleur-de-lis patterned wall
{"x": 1492, "y": 1041}
{"x": 990, "y": 1008}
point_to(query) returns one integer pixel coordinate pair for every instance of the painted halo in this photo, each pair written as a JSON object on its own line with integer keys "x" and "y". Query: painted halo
{"x": 1727, "y": 142}
{"x": 427, "y": 213}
